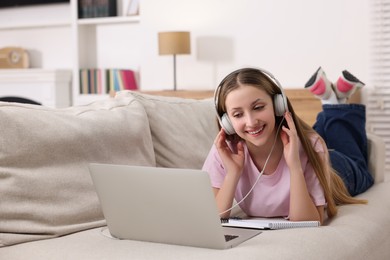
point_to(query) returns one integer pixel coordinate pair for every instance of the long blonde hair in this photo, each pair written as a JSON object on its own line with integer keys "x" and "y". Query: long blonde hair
{"x": 334, "y": 188}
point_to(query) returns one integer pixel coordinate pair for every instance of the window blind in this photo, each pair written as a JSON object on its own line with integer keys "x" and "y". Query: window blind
{"x": 378, "y": 98}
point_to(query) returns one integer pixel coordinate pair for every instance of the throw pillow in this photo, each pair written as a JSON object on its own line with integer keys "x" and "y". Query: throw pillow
{"x": 183, "y": 130}
{"x": 45, "y": 186}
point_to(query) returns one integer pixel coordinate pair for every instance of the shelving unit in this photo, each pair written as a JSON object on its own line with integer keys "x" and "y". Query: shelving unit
{"x": 50, "y": 87}
{"x": 105, "y": 43}
{"x": 88, "y": 52}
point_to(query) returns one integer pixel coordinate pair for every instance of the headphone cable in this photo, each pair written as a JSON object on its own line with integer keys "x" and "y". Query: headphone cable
{"x": 260, "y": 174}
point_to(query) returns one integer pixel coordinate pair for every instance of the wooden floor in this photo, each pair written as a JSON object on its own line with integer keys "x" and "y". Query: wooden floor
{"x": 305, "y": 105}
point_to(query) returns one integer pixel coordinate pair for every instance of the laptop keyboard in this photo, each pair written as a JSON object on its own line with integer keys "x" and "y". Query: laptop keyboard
{"x": 230, "y": 237}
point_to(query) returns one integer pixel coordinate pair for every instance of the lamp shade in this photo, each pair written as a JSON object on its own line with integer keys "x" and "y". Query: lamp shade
{"x": 174, "y": 43}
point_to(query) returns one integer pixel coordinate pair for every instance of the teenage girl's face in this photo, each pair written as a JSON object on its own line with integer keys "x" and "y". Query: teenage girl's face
{"x": 251, "y": 113}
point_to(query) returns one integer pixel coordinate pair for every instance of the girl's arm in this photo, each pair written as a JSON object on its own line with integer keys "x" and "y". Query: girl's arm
{"x": 302, "y": 206}
{"x": 225, "y": 195}
{"x": 233, "y": 164}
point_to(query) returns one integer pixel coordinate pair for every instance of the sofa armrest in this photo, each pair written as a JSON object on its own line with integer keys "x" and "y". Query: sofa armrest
{"x": 376, "y": 156}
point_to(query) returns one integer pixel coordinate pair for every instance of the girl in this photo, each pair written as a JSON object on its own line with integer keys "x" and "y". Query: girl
{"x": 274, "y": 164}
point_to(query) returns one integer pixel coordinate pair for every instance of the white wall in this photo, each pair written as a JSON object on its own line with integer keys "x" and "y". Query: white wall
{"x": 289, "y": 38}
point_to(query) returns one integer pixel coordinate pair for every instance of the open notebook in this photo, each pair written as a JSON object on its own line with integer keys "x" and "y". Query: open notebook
{"x": 267, "y": 223}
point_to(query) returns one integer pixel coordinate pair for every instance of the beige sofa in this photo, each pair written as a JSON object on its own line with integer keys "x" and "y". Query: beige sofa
{"x": 49, "y": 208}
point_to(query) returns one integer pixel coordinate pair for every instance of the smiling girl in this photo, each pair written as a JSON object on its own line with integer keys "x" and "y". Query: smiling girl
{"x": 268, "y": 159}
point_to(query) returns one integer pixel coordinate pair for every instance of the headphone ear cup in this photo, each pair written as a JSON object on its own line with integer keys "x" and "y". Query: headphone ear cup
{"x": 227, "y": 125}
{"x": 280, "y": 104}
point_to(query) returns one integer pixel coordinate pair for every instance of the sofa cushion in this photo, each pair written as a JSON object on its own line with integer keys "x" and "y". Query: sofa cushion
{"x": 376, "y": 156}
{"x": 183, "y": 130}
{"x": 45, "y": 185}
{"x": 359, "y": 232}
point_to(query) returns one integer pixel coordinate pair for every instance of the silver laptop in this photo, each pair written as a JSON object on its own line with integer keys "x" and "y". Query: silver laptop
{"x": 163, "y": 205}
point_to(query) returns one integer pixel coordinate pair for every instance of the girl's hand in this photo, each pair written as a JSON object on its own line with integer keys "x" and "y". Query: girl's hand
{"x": 233, "y": 162}
{"x": 290, "y": 141}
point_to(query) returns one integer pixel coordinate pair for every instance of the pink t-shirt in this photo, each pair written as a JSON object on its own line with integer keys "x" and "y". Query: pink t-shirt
{"x": 271, "y": 196}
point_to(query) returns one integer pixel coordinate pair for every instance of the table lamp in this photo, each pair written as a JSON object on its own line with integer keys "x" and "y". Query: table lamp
{"x": 173, "y": 43}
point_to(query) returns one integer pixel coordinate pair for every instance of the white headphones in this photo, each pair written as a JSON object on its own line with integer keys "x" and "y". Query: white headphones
{"x": 280, "y": 100}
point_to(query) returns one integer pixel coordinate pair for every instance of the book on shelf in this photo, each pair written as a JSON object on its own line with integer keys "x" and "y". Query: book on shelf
{"x": 267, "y": 223}
{"x": 104, "y": 81}
{"x": 132, "y": 7}
{"x": 97, "y": 8}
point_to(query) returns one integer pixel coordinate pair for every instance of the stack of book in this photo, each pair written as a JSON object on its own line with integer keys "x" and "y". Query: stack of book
{"x": 97, "y": 8}
{"x": 103, "y": 81}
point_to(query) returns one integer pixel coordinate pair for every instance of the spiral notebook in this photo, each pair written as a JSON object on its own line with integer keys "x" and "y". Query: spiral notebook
{"x": 267, "y": 223}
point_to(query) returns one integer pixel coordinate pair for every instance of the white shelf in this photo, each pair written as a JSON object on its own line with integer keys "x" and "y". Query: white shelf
{"x": 34, "y": 25}
{"x": 32, "y": 75}
{"x": 108, "y": 20}
{"x": 84, "y": 21}
{"x": 37, "y": 16}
